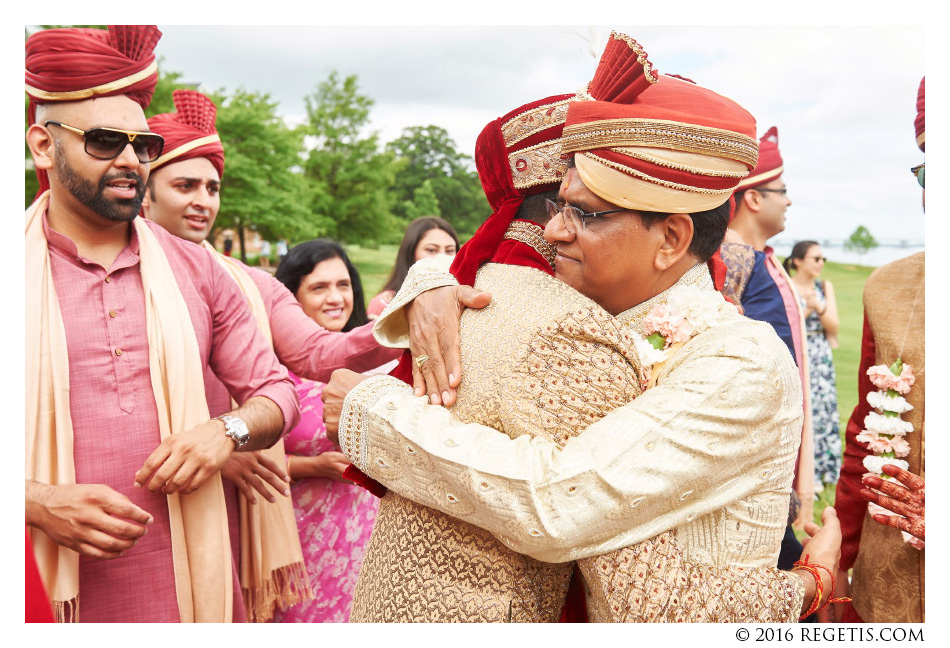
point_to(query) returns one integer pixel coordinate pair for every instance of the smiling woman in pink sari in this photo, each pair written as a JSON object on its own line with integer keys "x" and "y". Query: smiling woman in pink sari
{"x": 334, "y": 517}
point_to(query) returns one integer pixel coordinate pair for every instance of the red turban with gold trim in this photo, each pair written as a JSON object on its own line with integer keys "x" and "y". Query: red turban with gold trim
{"x": 520, "y": 153}
{"x": 657, "y": 143}
{"x": 516, "y": 155}
{"x": 770, "y": 164}
{"x": 189, "y": 132}
{"x": 79, "y": 63}
{"x": 919, "y": 121}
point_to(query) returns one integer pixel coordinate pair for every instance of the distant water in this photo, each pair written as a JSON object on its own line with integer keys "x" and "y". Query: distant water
{"x": 877, "y": 257}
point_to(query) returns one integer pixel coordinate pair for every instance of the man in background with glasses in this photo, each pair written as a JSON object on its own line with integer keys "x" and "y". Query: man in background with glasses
{"x": 886, "y": 552}
{"x": 126, "y": 325}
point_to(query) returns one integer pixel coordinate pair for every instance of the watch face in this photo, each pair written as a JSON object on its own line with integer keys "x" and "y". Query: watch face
{"x": 236, "y": 429}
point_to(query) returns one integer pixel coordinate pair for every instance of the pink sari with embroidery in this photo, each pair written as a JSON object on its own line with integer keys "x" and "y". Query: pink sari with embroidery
{"x": 335, "y": 521}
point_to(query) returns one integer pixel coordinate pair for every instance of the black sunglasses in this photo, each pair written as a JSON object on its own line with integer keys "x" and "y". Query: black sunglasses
{"x": 108, "y": 143}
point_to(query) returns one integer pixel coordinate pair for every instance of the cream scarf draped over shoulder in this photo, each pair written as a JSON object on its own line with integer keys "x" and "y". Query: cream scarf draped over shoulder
{"x": 199, "y": 529}
{"x": 273, "y": 573}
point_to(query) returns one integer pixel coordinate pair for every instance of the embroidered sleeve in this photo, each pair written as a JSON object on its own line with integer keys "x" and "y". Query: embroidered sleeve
{"x": 651, "y": 582}
{"x": 739, "y": 260}
{"x": 353, "y": 421}
{"x": 391, "y": 328}
{"x": 713, "y": 594}
{"x": 692, "y": 444}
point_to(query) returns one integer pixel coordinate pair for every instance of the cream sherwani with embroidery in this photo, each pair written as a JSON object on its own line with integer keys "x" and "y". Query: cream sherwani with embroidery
{"x": 705, "y": 466}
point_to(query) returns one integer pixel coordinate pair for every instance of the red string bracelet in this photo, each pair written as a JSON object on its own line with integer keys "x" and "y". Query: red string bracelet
{"x": 816, "y": 604}
{"x": 843, "y": 599}
{"x": 819, "y": 589}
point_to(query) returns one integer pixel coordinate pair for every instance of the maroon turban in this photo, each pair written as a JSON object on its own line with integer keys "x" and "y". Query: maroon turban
{"x": 189, "y": 132}
{"x": 770, "y": 164}
{"x": 78, "y": 63}
{"x": 516, "y": 155}
{"x": 919, "y": 121}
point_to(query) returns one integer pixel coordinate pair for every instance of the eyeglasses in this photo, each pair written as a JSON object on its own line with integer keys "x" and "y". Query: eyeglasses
{"x": 574, "y": 219}
{"x": 818, "y": 258}
{"x": 919, "y": 172}
{"x": 778, "y": 191}
{"x": 108, "y": 143}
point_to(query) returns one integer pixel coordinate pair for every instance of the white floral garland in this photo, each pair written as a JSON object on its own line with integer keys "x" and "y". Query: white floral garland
{"x": 688, "y": 311}
{"x": 884, "y": 430}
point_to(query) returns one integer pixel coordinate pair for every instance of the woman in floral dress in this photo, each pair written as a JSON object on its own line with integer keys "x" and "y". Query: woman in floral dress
{"x": 821, "y": 324}
{"x": 334, "y": 517}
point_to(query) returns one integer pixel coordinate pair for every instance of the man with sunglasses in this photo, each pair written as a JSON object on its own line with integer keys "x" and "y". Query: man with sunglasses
{"x": 887, "y": 561}
{"x": 126, "y": 326}
{"x": 635, "y": 221}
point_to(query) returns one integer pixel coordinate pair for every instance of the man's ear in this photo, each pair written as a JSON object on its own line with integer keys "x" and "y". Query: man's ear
{"x": 146, "y": 202}
{"x": 42, "y": 147}
{"x": 752, "y": 200}
{"x": 677, "y": 237}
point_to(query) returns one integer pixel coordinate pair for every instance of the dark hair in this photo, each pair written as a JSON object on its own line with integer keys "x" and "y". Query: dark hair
{"x": 406, "y": 255}
{"x": 302, "y": 258}
{"x": 709, "y": 230}
{"x": 799, "y": 250}
{"x": 534, "y": 208}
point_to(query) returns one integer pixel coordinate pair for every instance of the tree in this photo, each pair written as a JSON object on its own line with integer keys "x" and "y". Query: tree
{"x": 860, "y": 241}
{"x": 262, "y": 188}
{"x": 424, "y": 202}
{"x": 349, "y": 177}
{"x": 427, "y": 153}
{"x": 162, "y": 101}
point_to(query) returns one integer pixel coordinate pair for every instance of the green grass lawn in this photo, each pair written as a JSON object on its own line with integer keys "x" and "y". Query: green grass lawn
{"x": 374, "y": 266}
{"x": 848, "y": 280}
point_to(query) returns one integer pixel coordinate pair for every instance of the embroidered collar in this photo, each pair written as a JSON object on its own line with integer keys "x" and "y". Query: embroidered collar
{"x": 533, "y": 235}
{"x": 698, "y": 276}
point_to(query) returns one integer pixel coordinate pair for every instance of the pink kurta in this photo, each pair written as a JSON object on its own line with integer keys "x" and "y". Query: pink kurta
{"x": 115, "y": 421}
{"x": 790, "y": 300}
{"x": 302, "y": 345}
{"x": 379, "y": 303}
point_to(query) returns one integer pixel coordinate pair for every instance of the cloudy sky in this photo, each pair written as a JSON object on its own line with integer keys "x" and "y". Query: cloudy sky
{"x": 843, "y": 97}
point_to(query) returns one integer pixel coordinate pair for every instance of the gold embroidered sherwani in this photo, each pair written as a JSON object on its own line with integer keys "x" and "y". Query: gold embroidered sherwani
{"x": 548, "y": 372}
{"x": 544, "y": 365}
{"x": 887, "y": 584}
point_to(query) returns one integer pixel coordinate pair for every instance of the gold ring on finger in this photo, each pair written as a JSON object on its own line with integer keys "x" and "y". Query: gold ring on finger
{"x": 421, "y": 360}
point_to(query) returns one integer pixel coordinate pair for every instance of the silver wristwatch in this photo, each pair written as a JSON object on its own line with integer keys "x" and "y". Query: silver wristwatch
{"x": 236, "y": 430}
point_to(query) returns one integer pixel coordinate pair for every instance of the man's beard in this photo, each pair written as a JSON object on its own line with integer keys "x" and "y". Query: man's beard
{"x": 92, "y": 196}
